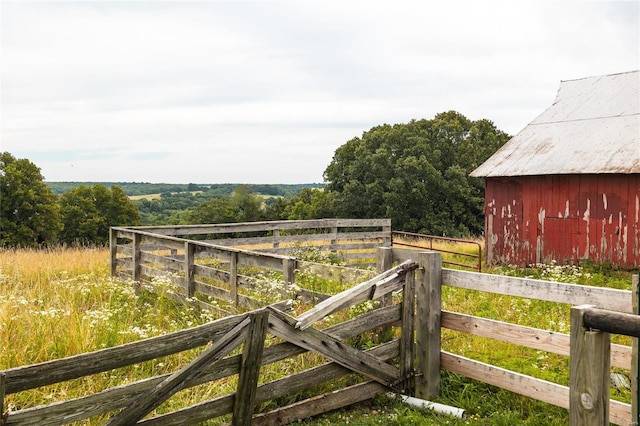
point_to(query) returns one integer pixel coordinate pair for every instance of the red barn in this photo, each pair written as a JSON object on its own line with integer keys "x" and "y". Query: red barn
{"x": 567, "y": 187}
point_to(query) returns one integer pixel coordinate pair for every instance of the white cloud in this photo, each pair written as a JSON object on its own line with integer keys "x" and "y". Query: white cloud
{"x": 216, "y": 91}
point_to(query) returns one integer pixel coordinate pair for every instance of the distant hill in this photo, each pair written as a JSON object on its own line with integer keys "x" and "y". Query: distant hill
{"x": 145, "y": 188}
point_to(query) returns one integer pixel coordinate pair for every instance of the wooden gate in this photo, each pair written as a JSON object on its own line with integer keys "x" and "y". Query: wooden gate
{"x": 132, "y": 403}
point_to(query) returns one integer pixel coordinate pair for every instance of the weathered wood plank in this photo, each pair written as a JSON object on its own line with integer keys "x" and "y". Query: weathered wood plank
{"x": 121, "y": 232}
{"x": 301, "y": 381}
{"x": 213, "y": 291}
{"x": 367, "y": 246}
{"x": 612, "y": 322}
{"x": 573, "y": 294}
{"x": 115, "y": 398}
{"x": 212, "y": 273}
{"x": 124, "y": 250}
{"x": 245, "y": 400}
{"x": 401, "y": 255}
{"x": 314, "y": 340}
{"x": 46, "y": 373}
{"x": 542, "y": 390}
{"x": 276, "y": 389}
{"x": 154, "y": 240}
{"x": 233, "y": 279}
{"x": 209, "y": 251}
{"x": 262, "y": 226}
{"x": 407, "y": 341}
{"x": 176, "y": 381}
{"x": 340, "y": 301}
{"x": 320, "y": 404}
{"x": 588, "y": 372}
{"x": 427, "y": 324}
{"x": 529, "y": 337}
{"x": 528, "y": 386}
{"x": 356, "y": 294}
{"x": 168, "y": 262}
{"x": 261, "y": 260}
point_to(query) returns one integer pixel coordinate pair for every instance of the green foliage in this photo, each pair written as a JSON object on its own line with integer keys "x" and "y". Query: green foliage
{"x": 242, "y": 206}
{"x": 310, "y": 203}
{"x": 416, "y": 174}
{"x": 29, "y": 214}
{"x": 214, "y": 190}
{"x": 129, "y": 188}
{"x": 88, "y": 213}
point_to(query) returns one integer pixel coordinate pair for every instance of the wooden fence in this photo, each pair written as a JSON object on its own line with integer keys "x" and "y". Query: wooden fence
{"x": 130, "y": 403}
{"x": 202, "y": 268}
{"x": 538, "y": 339}
{"x": 354, "y": 240}
{"x": 416, "y": 353}
{"x": 468, "y": 259}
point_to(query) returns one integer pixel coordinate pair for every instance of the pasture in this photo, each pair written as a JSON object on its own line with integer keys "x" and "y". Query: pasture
{"x": 62, "y": 302}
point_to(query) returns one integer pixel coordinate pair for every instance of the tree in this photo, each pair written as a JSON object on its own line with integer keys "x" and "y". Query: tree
{"x": 242, "y": 206}
{"x": 416, "y": 173}
{"x": 88, "y": 213}
{"x": 29, "y": 213}
{"x": 248, "y": 204}
{"x": 310, "y": 203}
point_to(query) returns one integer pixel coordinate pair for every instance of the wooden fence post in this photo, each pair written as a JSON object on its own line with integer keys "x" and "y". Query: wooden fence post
{"x": 406, "y": 337}
{"x": 384, "y": 259}
{"x": 589, "y": 372}
{"x": 135, "y": 258}
{"x": 289, "y": 270}
{"x": 233, "y": 278}
{"x": 384, "y": 262}
{"x": 334, "y": 241}
{"x": 387, "y": 241}
{"x": 427, "y": 324}
{"x": 189, "y": 260}
{"x": 276, "y": 234}
{"x": 635, "y": 359}
{"x": 113, "y": 252}
{"x": 245, "y": 400}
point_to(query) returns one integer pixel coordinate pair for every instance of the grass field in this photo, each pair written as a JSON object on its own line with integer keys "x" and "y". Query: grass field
{"x": 61, "y": 302}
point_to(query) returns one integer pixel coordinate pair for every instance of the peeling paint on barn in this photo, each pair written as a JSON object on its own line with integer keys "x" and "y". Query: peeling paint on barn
{"x": 567, "y": 187}
{"x": 556, "y": 216}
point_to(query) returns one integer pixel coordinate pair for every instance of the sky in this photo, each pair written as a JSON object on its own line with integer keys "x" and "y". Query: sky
{"x": 266, "y": 91}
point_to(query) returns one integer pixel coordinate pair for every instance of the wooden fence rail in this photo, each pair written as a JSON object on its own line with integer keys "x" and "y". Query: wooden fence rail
{"x": 570, "y": 294}
{"x": 354, "y": 240}
{"x": 214, "y": 268}
{"x": 130, "y": 403}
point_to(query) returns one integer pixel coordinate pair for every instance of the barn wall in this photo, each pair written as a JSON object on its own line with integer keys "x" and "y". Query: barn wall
{"x": 565, "y": 218}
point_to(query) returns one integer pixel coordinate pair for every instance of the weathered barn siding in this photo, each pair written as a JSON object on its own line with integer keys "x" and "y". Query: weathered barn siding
{"x": 566, "y": 218}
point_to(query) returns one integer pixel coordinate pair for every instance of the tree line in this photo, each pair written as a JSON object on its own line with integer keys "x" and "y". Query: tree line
{"x": 416, "y": 173}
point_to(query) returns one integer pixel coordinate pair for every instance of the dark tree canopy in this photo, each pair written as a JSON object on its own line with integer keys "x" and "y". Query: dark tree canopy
{"x": 417, "y": 174}
{"x": 89, "y": 211}
{"x": 29, "y": 213}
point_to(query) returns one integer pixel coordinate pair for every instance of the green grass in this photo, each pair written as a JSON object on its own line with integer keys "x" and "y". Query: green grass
{"x": 62, "y": 302}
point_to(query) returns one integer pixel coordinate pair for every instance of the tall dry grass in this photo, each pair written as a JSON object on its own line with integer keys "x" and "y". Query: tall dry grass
{"x": 61, "y": 302}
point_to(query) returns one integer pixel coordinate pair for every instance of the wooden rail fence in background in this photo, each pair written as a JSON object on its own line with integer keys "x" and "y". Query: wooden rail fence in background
{"x": 354, "y": 240}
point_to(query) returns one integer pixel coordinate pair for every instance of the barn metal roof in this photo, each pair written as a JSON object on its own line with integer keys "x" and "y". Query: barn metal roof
{"x": 592, "y": 127}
